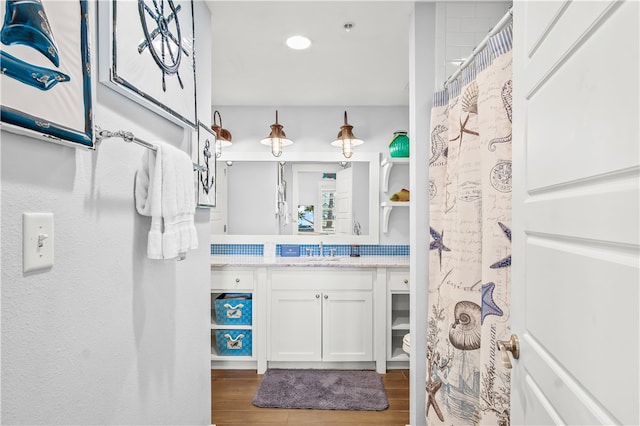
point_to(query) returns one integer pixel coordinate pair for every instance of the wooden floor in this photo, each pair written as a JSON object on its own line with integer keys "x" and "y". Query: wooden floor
{"x": 232, "y": 395}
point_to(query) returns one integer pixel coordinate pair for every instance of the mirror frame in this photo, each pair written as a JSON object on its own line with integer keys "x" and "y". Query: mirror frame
{"x": 373, "y": 158}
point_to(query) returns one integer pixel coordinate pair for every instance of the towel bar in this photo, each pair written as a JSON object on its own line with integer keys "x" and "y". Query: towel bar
{"x": 130, "y": 137}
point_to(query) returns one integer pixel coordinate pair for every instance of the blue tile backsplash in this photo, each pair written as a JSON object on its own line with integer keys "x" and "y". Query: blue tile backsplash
{"x": 341, "y": 249}
{"x": 246, "y": 249}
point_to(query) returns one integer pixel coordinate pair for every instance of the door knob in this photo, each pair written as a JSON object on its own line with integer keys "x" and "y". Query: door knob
{"x": 512, "y": 345}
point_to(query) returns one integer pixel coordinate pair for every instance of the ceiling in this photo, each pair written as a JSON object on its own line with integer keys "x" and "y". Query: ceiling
{"x": 367, "y": 66}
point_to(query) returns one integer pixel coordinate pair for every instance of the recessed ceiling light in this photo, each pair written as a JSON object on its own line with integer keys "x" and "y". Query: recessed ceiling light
{"x": 298, "y": 42}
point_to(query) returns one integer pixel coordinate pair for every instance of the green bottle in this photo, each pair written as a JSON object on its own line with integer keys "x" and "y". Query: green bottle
{"x": 399, "y": 146}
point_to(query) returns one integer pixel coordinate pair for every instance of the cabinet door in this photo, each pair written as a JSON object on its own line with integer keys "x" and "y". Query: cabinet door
{"x": 296, "y": 326}
{"x": 347, "y": 332}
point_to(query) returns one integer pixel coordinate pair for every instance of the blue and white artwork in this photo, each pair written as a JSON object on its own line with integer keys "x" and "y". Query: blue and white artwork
{"x": 147, "y": 54}
{"x": 46, "y": 70}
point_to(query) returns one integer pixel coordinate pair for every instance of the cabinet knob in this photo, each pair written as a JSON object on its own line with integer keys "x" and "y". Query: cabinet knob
{"x": 406, "y": 281}
{"x": 317, "y": 296}
{"x": 237, "y": 280}
{"x": 326, "y": 296}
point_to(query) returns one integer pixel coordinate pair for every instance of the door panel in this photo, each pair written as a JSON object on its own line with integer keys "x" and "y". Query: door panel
{"x": 559, "y": 387}
{"x": 574, "y": 310}
{"x": 572, "y": 26}
{"x": 539, "y": 410}
{"x": 542, "y": 17}
{"x": 562, "y": 211}
{"x": 570, "y": 108}
{"x": 576, "y": 264}
{"x": 344, "y": 200}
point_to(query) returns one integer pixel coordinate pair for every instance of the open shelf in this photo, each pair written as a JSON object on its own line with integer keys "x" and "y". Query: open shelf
{"x": 400, "y": 320}
{"x": 216, "y": 357}
{"x": 387, "y": 165}
{"x": 216, "y": 326}
{"x": 396, "y": 351}
{"x": 387, "y": 206}
{"x": 399, "y": 355}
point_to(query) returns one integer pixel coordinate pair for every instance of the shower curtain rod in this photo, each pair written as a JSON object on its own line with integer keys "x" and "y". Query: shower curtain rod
{"x": 497, "y": 28}
{"x": 130, "y": 137}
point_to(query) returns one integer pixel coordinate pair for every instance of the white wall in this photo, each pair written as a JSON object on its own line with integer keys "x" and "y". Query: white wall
{"x": 313, "y": 128}
{"x": 106, "y": 336}
{"x": 460, "y": 27}
{"x": 422, "y": 43}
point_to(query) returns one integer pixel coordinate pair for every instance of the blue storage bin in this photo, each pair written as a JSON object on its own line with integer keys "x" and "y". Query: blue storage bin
{"x": 233, "y": 308}
{"x": 233, "y": 342}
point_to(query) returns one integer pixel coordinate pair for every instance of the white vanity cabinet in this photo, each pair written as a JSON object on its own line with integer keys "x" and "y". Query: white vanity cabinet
{"x": 316, "y": 316}
{"x": 320, "y": 315}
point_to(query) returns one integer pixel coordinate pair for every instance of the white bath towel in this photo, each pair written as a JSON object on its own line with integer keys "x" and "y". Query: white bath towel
{"x": 164, "y": 190}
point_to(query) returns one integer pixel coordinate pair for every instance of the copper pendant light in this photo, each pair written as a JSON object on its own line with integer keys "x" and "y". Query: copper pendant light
{"x": 276, "y": 139}
{"x": 223, "y": 136}
{"x": 346, "y": 140}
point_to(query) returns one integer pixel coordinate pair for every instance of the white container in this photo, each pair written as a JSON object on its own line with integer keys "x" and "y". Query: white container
{"x": 269, "y": 250}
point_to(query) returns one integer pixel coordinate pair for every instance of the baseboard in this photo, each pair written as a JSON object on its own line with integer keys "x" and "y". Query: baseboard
{"x": 322, "y": 365}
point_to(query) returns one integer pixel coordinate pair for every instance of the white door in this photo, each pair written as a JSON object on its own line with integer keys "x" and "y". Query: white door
{"x": 344, "y": 191}
{"x": 575, "y": 283}
{"x": 219, "y": 212}
{"x": 295, "y": 326}
{"x": 347, "y": 326}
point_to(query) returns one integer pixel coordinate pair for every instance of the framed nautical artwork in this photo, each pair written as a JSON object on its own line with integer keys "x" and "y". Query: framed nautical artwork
{"x": 47, "y": 89}
{"x": 203, "y": 153}
{"x": 147, "y": 54}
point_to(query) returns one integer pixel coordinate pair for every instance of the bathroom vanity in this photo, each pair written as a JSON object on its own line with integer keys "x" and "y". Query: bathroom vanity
{"x": 316, "y": 312}
{"x": 313, "y": 311}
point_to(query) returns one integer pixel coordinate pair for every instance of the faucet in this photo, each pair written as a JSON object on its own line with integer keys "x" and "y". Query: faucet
{"x": 321, "y": 249}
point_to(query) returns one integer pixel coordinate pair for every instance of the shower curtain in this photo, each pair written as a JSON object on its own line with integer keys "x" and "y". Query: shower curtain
{"x": 469, "y": 261}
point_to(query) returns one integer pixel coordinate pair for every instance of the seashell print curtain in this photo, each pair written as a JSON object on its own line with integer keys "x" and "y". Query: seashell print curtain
{"x": 469, "y": 261}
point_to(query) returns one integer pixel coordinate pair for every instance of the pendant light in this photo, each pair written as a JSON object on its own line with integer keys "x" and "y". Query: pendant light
{"x": 223, "y": 136}
{"x": 345, "y": 139}
{"x": 276, "y": 139}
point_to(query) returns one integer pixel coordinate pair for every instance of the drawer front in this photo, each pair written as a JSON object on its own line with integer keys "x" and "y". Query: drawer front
{"x": 398, "y": 280}
{"x": 232, "y": 280}
{"x": 328, "y": 279}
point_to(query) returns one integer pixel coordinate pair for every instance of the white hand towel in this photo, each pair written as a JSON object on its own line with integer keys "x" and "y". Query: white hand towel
{"x": 148, "y": 198}
{"x": 165, "y": 191}
{"x": 178, "y": 203}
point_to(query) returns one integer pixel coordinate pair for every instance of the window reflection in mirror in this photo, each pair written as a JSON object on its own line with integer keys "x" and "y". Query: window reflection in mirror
{"x": 305, "y": 218}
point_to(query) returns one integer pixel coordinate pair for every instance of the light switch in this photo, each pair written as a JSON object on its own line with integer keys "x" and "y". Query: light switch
{"x": 37, "y": 241}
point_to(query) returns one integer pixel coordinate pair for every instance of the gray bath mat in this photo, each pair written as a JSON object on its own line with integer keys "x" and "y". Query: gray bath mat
{"x": 321, "y": 390}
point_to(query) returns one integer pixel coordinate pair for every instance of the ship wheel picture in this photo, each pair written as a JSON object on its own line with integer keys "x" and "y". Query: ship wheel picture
{"x": 163, "y": 37}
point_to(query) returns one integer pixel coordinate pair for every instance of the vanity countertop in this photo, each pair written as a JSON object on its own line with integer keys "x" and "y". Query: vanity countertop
{"x": 332, "y": 262}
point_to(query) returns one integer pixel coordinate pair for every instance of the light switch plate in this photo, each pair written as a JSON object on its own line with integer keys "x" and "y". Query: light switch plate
{"x": 37, "y": 241}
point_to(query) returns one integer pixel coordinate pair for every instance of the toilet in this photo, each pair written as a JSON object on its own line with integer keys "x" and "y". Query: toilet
{"x": 406, "y": 342}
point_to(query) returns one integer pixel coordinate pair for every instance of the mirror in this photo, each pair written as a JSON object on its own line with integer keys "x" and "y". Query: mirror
{"x": 300, "y": 198}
